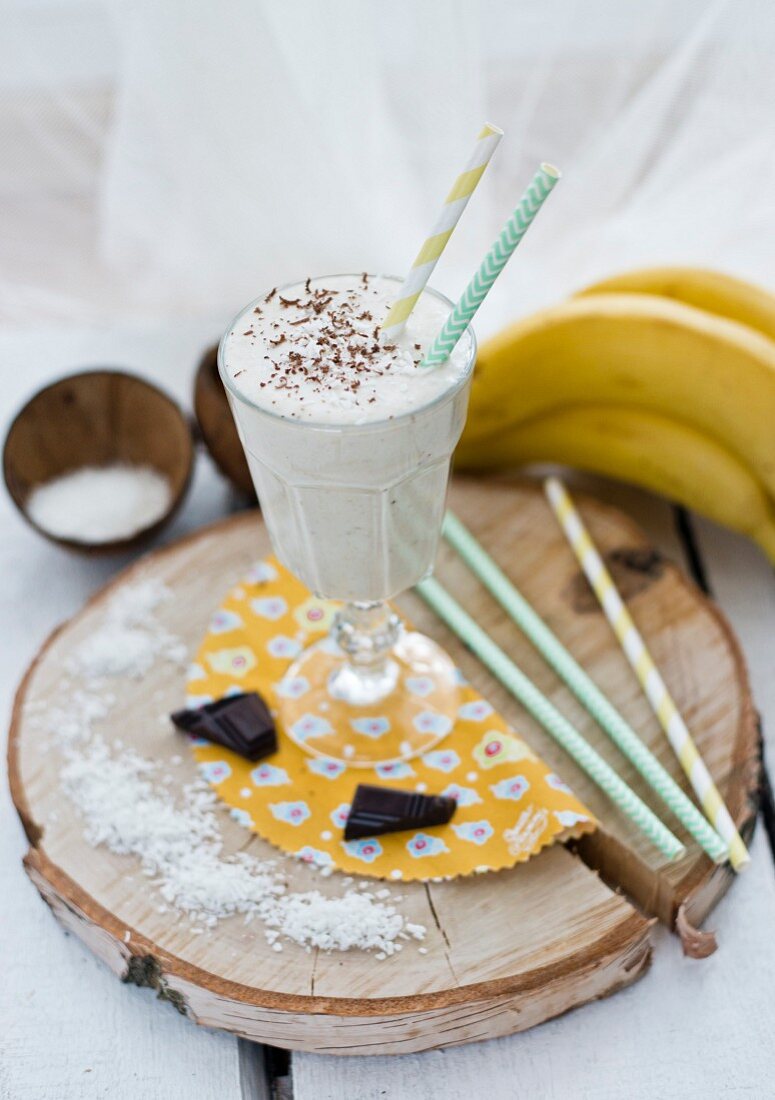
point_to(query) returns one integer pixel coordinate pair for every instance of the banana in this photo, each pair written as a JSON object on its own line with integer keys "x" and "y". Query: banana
{"x": 712, "y": 291}
{"x": 644, "y": 448}
{"x": 640, "y": 352}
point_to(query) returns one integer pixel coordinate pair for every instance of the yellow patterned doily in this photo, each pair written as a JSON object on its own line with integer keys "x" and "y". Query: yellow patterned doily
{"x": 510, "y": 805}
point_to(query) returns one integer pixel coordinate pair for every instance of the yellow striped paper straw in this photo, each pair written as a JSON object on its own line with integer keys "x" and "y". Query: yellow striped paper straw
{"x": 428, "y": 256}
{"x": 648, "y": 675}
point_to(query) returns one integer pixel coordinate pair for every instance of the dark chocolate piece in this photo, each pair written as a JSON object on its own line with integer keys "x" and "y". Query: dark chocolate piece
{"x": 241, "y": 723}
{"x": 377, "y": 810}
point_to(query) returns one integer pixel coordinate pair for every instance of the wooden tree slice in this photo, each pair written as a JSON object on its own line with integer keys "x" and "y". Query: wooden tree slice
{"x": 505, "y": 951}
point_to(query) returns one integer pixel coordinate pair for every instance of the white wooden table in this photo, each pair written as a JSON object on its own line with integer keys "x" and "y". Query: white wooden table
{"x": 68, "y": 1030}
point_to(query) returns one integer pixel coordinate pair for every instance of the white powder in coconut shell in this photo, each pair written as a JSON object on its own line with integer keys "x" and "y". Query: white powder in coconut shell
{"x": 98, "y": 504}
{"x": 127, "y": 808}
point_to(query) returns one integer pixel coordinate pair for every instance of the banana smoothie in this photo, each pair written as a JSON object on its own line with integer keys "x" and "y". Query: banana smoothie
{"x": 348, "y": 439}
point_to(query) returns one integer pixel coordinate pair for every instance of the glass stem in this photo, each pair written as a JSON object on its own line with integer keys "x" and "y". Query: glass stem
{"x": 366, "y": 632}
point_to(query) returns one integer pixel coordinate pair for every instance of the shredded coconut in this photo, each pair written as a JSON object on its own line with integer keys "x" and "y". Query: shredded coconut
{"x": 131, "y": 640}
{"x": 127, "y": 808}
{"x": 100, "y": 503}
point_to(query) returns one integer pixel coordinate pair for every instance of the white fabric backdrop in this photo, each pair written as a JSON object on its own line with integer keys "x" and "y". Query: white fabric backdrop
{"x": 175, "y": 158}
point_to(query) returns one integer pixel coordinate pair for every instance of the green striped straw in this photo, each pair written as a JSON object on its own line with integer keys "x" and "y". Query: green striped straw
{"x": 493, "y": 263}
{"x": 583, "y": 687}
{"x": 523, "y": 689}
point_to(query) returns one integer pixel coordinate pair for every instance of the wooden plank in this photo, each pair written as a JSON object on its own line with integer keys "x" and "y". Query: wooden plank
{"x": 254, "y": 1071}
{"x": 743, "y": 582}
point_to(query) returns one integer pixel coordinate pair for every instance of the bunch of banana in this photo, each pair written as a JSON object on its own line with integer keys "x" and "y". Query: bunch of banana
{"x": 664, "y": 377}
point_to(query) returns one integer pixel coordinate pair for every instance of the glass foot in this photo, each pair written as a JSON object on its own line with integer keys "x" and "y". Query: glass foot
{"x": 378, "y": 712}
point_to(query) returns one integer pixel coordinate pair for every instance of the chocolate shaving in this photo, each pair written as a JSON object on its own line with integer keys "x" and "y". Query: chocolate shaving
{"x": 337, "y": 357}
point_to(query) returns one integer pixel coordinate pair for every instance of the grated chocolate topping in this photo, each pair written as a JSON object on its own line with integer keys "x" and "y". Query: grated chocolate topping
{"x": 317, "y": 352}
{"x": 334, "y": 343}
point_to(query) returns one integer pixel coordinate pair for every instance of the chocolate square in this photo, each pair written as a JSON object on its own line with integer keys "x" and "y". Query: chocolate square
{"x": 378, "y": 810}
{"x": 241, "y": 723}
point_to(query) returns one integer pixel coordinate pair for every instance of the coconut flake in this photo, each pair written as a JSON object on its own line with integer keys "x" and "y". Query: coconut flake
{"x": 131, "y": 640}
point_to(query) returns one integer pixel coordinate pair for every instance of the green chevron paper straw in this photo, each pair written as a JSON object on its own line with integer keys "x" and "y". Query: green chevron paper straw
{"x": 493, "y": 263}
{"x": 481, "y": 644}
{"x": 583, "y": 687}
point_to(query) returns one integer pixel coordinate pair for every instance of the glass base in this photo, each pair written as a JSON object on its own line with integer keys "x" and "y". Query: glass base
{"x": 383, "y": 714}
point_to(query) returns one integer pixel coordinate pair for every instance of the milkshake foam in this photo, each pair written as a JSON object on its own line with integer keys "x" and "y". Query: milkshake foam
{"x": 313, "y": 352}
{"x": 348, "y": 441}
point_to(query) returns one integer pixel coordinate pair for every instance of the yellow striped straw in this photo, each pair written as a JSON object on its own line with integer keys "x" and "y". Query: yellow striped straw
{"x": 428, "y": 256}
{"x": 648, "y": 675}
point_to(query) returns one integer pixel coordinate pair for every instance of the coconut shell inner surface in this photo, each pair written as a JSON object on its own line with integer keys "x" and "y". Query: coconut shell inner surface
{"x": 93, "y": 419}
